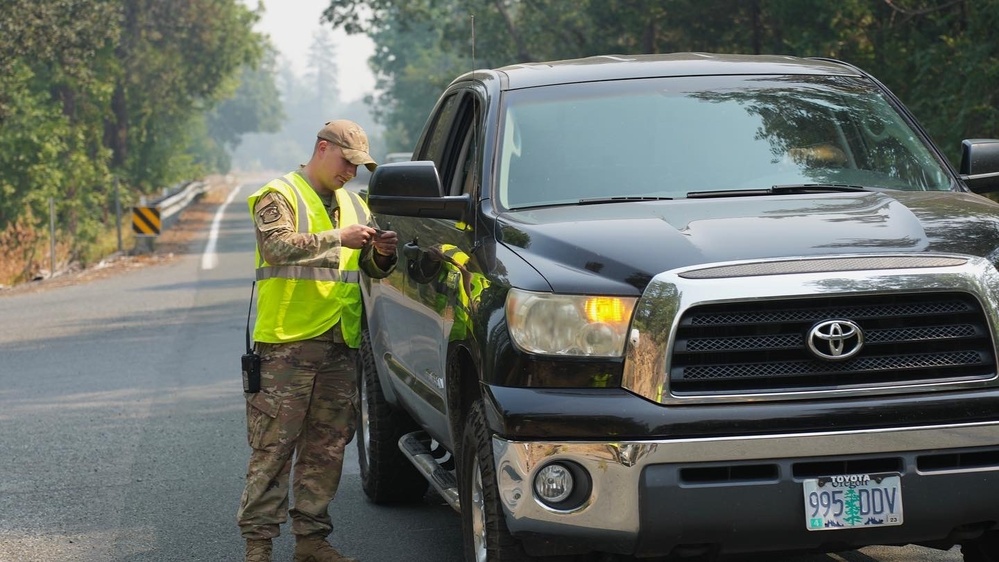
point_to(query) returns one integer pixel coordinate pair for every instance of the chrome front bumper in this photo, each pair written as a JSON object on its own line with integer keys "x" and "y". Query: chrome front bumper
{"x": 613, "y": 510}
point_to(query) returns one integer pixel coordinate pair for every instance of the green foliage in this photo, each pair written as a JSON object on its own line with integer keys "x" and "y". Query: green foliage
{"x": 413, "y": 60}
{"x": 92, "y": 89}
{"x": 419, "y": 72}
{"x": 52, "y": 99}
{"x": 946, "y": 69}
{"x": 255, "y": 107}
{"x": 939, "y": 56}
{"x": 32, "y": 133}
{"x": 179, "y": 59}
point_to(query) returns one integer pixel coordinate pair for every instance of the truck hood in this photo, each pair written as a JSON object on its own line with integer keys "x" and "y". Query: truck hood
{"x": 617, "y": 248}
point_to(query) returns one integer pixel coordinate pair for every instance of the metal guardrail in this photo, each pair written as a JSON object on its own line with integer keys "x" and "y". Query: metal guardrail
{"x": 171, "y": 205}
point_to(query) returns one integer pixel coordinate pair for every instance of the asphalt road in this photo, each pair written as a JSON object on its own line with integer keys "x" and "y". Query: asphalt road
{"x": 122, "y": 424}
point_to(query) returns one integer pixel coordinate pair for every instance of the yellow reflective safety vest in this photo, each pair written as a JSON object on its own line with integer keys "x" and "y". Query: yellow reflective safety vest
{"x": 297, "y": 302}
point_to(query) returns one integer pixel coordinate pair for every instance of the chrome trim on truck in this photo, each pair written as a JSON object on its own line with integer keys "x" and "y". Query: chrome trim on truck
{"x": 616, "y": 467}
{"x": 649, "y": 351}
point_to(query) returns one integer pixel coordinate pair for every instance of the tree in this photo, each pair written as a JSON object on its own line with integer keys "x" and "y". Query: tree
{"x": 322, "y": 73}
{"x": 178, "y": 59}
{"x": 939, "y": 56}
{"x": 412, "y": 72}
{"x": 255, "y": 107}
{"x": 95, "y": 88}
{"x": 54, "y": 59}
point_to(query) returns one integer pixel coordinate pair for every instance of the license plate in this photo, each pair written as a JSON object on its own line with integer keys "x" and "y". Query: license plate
{"x": 853, "y": 500}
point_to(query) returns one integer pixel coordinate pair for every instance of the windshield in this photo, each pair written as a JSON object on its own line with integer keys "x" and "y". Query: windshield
{"x": 668, "y": 137}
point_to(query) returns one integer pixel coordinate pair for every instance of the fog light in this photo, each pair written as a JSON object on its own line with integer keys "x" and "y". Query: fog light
{"x": 553, "y": 483}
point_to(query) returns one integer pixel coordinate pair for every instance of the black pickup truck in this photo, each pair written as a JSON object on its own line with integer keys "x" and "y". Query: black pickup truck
{"x": 686, "y": 305}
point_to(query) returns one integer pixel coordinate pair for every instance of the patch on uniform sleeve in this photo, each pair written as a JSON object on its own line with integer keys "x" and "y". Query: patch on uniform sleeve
{"x": 270, "y": 213}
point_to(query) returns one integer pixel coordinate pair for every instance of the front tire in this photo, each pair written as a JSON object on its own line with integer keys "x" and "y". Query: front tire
{"x": 484, "y": 530}
{"x": 983, "y": 549}
{"x": 387, "y": 476}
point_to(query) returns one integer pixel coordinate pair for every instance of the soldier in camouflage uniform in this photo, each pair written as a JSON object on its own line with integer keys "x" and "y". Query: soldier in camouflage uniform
{"x": 312, "y": 238}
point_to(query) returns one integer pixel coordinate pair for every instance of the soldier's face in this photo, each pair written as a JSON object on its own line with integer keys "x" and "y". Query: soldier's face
{"x": 337, "y": 169}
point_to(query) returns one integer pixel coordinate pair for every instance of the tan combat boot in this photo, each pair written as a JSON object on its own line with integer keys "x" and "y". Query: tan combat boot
{"x": 314, "y": 548}
{"x": 258, "y": 550}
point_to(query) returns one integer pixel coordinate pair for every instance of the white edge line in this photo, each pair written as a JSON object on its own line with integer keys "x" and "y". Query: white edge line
{"x": 210, "y": 259}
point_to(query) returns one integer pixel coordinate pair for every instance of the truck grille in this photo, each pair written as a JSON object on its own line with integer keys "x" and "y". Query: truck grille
{"x": 761, "y": 346}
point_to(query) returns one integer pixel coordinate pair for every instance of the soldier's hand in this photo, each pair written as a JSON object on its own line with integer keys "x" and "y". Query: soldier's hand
{"x": 385, "y": 242}
{"x": 356, "y": 236}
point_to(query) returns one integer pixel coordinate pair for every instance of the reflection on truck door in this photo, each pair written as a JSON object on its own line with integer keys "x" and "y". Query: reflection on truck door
{"x": 435, "y": 251}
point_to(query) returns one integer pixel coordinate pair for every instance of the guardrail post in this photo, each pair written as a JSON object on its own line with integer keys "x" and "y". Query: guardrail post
{"x": 52, "y": 237}
{"x": 144, "y": 245}
{"x": 117, "y": 212}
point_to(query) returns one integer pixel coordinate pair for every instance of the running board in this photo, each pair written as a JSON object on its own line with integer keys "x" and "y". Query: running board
{"x": 418, "y": 453}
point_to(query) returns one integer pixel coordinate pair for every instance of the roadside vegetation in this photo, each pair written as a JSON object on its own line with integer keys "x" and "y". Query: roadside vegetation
{"x": 941, "y": 57}
{"x": 150, "y": 93}
{"x": 145, "y": 92}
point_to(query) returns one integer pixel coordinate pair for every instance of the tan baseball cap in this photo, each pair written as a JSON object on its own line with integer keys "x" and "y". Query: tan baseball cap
{"x": 350, "y": 137}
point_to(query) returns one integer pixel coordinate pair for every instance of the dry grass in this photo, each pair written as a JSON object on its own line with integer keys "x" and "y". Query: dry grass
{"x": 19, "y": 244}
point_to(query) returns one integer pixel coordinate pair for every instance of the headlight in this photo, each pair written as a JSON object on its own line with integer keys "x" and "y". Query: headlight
{"x": 590, "y": 326}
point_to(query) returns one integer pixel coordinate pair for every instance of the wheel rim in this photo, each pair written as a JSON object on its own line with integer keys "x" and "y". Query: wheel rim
{"x": 365, "y": 429}
{"x": 478, "y": 514}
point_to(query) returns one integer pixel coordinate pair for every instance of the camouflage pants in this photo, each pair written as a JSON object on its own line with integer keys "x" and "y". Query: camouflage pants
{"x": 304, "y": 415}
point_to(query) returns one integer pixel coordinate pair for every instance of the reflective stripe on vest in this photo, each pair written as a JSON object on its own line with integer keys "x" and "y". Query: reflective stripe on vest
{"x": 360, "y": 208}
{"x": 306, "y": 272}
{"x": 301, "y": 218}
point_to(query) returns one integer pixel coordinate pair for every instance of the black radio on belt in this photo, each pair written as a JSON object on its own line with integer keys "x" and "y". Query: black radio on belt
{"x": 250, "y": 360}
{"x": 251, "y": 372}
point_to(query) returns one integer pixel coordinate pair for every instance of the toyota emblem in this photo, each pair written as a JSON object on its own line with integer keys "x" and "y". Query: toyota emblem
{"x": 835, "y": 340}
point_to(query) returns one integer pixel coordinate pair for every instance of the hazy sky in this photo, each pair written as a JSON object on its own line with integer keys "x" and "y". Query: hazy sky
{"x": 291, "y": 25}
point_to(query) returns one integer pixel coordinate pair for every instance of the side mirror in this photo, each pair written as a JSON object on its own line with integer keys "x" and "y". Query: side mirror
{"x": 413, "y": 189}
{"x": 980, "y": 164}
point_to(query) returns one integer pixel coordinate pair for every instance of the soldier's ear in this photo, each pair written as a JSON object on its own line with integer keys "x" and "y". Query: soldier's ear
{"x": 323, "y": 146}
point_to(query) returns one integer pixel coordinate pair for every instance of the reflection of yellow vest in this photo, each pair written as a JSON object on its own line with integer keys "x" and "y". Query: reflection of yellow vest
{"x": 462, "y": 310}
{"x": 478, "y": 281}
{"x": 300, "y": 302}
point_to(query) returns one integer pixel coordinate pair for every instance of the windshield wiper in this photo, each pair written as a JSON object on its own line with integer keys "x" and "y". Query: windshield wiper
{"x": 779, "y": 190}
{"x": 623, "y": 198}
{"x": 816, "y": 188}
{"x": 728, "y": 193}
